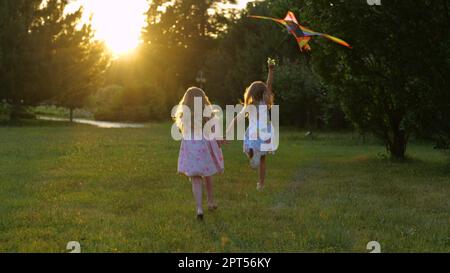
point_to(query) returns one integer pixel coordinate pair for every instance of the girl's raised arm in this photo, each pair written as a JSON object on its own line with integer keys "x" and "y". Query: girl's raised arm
{"x": 268, "y": 96}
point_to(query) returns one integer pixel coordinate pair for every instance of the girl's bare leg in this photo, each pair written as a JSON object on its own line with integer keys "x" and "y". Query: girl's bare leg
{"x": 262, "y": 171}
{"x": 197, "y": 190}
{"x": 210, "y": 192}
{"x": 250, "y": 154}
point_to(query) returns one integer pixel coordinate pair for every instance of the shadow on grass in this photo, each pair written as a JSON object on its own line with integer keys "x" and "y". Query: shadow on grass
{"x": 408, "y": 159}
{"x": 422, "y": 167}
{"x": 331, "y": 138}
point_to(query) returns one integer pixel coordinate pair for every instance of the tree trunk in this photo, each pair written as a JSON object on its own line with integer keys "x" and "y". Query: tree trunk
{"x": 71, "y": 114}
{"x": 397, "y": 148}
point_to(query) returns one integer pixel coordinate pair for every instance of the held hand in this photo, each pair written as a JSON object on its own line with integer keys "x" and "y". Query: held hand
{"x": 271, "y": 63}
{"x": 223, "y": 142}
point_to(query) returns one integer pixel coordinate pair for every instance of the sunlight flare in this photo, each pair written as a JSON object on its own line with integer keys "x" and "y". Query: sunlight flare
{"x": 119, "y": 23}
{"x": 116, "y": 22}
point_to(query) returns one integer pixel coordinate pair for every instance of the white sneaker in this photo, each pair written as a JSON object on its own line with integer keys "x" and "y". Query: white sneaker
{"x": 256, "y": 160}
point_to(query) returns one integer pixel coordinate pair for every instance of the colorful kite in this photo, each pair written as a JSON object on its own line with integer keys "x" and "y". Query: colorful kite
{"x": 302, "y": 34}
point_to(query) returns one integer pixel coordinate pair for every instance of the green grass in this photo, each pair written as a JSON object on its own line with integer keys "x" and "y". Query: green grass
{"x": 116, "y": 190}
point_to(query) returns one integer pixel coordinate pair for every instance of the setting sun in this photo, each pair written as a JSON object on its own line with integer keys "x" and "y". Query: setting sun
{"x": 117, "y": 22}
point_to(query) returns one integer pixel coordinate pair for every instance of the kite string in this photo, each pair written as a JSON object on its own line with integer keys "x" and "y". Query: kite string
{"x": 279, "y": 45}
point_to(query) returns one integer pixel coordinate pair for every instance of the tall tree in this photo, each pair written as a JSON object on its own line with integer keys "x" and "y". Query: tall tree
{"x": 78, "y": 66}
{"x": 397, "y": 69}
{"x": 17, "y": 45}
{"x": 176, "y": 40}
{"x": 42, "y": 48}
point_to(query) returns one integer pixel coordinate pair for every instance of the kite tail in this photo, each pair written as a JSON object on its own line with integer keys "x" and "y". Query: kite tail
{"x": 336, "y": 40}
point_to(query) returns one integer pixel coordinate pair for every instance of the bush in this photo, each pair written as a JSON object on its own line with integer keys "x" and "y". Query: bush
{"x": 5, "y": 112}
{"x": 305, "y": 101}
{"x": 141, "y": 104}
{"x": 17, "y": 112}
{"x": 61, "y": 112}
{"x": 50, "y": 110}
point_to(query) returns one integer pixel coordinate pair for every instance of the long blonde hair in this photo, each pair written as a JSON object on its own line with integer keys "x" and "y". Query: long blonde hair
{"x": 188, "y": 100}
{"x": 257, "y": 92}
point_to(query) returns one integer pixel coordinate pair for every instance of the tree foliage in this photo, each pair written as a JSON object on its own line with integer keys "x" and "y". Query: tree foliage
{"x": 46, "y": 55}
{"x": 176, "y": 41}
{"x": 398, "y": 69}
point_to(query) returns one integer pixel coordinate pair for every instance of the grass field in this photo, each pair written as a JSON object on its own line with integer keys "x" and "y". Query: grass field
{"x": 116, "y": 190}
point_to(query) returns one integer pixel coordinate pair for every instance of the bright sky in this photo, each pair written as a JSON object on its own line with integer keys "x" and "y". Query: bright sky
{"x": 241, "y": 4}
{"x": 119, "y": 22}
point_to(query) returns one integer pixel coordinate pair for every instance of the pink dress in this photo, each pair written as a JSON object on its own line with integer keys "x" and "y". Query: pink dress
{"x": 200, "y": 158}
